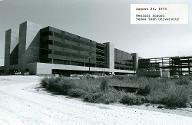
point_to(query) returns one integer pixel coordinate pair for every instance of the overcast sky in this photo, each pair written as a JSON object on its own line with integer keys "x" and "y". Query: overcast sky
{"x": 102, "y": 21}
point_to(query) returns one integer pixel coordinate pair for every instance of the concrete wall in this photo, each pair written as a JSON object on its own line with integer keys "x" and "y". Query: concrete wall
{"x": 7, "y": 50}
{"x": 124, "y": 71}
{"x": 45, "y": 68}
{"x": 120, "y": 55}
{"x": 110, "y": 56}
{"x": 124, "y": 60}
{"x": 22, "y": 43}
{"x": 135, "y": 60}
{"x": 32, "y": 43}
{"x": 14, "y": 48}
{"x": 32, "y": 67}
{"x": 29, "y": 44}
{"x": 2, "y": 70}
{"x": 11, "y": 49}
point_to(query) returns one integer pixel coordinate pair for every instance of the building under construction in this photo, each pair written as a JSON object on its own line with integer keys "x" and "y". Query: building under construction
{"x": 165, "y": 66}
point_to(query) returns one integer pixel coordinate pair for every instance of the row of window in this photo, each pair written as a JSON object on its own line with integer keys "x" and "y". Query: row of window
{"x": 120, "y": 65}
{"x": 124, "y": 62}
{"x": 124, "y": 68}
{"x": 67, "y": 44}
{"x": 68, "y": 36}
{"x": 100, "y": 46}
{"x": 68, "y": 62}
{"x": 67, "y": 54}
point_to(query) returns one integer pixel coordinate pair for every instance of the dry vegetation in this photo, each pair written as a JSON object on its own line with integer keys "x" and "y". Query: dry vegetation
{"x": 171, "y": 93}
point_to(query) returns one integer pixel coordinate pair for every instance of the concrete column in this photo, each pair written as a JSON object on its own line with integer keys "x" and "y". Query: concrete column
{"x": 29, "y": 38}
{"x": 7, "y": 50}
{"x": 110, "y": 56}
{"x": 135, "y": 60}
{"x": 11, "y": 49}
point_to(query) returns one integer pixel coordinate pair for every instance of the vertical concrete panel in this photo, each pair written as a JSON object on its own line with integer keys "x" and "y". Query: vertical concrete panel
{"x": 32, "y": 43}
{"x": 22, "y": 44}
{"x": 14, "y": 47}
{"x": 32, "y": 32}
{"x": 29, "y": 44}
{"x": 135, "y": 60}
{"x": 110, "y": 56}
{"x": 11, "y": 43}
{"x": 7, "y": 50}
{"x": 14, "y": 40}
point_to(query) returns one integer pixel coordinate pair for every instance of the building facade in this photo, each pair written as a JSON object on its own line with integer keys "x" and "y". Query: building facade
{"x": 49, "y": 50}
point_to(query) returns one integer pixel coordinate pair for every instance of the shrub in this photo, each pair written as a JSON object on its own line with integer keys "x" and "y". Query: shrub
{"x": 45, "y": 81}
{"x": 168, "y": 92}
{"x": 175, "y": 97}
{"x": 159, "y": 85}
{"x": 104, "y": 86}
{"x": 51, "y": 84}
{"x": 89, "y": 85}
{"x": 92, "y": 97}
{"x": 76, "y": 92}
{"x": 155, "y": 97}
{"x": 131, "y": 99}
{"x": 158, "y": 89}
{"x": 66, "y": 85}
{"x": 54, "y": 87}
{"x": 109, "y": 97}
{"x": 57, "y": 85}
{"x": 119, "y": 77}
{"x": 183, "y": 81}
{"x": 144, "y": 91}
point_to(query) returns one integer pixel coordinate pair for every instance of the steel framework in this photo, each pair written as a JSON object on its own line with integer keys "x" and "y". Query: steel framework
{"x": 176, "y": 65}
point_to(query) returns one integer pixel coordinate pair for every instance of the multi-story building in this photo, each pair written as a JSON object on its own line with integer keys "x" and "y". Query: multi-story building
{"x": 49, "y": 50}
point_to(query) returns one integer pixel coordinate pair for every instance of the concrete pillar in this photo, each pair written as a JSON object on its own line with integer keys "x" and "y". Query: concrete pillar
{"x": 29, "y": 39}
{"x": 7, "y": 50}
{"x": 135, "y": 60}
{"x": 110, "y": 56}
{"x": 11, "y": 49}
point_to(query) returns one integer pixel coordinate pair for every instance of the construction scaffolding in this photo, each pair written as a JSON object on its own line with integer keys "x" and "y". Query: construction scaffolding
{"x": 175, "y": 65}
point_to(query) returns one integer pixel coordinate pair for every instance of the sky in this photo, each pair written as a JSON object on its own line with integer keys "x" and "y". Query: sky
{"x": 102, "y": 21}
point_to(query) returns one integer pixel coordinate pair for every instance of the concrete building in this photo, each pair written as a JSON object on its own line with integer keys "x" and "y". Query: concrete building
{"x": 49, "y": 50}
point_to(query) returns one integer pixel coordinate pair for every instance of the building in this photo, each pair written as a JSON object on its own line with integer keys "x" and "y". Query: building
{"x": 165, "y": 66}
{"x": 47, "y": 50}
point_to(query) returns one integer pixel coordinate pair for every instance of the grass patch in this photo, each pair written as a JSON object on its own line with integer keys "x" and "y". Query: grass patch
{"x": 175, "y": 97}
{"x": 131, "y": 99}
{"x": 76, "y": 92}
{"x": 171, "y": 93}
{"x": 183, "y": 81}
{"x": 144, "y": 91}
